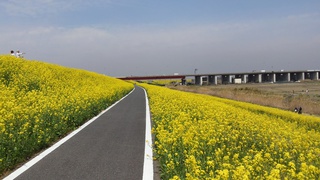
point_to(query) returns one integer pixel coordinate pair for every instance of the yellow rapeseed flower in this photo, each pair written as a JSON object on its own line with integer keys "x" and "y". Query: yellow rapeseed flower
{"x": 40, "y": 102}
{"x": 216, "y": 138}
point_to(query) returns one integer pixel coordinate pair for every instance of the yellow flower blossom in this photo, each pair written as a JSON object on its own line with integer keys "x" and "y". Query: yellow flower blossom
{"x": 41, "y": 102}
{"x": 215, "y": 138}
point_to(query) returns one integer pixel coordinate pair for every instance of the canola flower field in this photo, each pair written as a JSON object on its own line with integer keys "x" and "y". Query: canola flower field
{"x": 205, "y": 137}
{"x": 41, "y": 102}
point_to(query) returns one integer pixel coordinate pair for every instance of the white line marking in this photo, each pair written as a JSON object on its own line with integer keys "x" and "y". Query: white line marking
{"x": 33, "y": 161}
{"x": 148, "y": 157}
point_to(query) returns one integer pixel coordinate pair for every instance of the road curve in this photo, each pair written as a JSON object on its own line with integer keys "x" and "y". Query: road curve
{"x": 111, "y": 147}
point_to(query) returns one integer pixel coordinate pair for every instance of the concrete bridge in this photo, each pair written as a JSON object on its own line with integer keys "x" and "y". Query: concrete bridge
{"x": 237, "y": 78}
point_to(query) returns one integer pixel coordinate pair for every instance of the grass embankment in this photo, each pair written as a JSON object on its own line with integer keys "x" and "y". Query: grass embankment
{"x": 205, "y": 137}
{"x": 285, "y": 96}
{"x": 41, "y": 102}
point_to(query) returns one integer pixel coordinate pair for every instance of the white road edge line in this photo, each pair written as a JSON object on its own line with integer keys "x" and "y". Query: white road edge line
{"x": 33, "y": 161}
{"x": 148, "y": 156}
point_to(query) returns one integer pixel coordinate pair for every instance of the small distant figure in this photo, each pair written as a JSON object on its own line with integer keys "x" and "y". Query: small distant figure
{"x": 12, "y": 53}
{"x": 19, "y": 54}
{"x": 300, "y": 110}
{"x": 296, "y": 110}
{"x": 307, "y": 91}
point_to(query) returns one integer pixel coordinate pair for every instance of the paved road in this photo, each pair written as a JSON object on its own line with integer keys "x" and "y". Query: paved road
{"x": 111, "y": 147}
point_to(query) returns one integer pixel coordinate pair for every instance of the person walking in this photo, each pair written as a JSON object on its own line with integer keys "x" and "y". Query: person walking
{"x": 19, "y": 54}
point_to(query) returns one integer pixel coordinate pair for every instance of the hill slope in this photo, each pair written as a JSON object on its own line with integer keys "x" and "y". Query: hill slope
{"x": 40, "y": 102}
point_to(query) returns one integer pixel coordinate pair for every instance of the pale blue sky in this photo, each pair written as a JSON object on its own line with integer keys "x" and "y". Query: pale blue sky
{"x": 151, "y": 37}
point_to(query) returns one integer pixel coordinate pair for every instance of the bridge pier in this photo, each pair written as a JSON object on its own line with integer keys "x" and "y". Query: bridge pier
{"x": 259, "y": 78}
{"x": 197, "y": 80}
{"x": 212, "y": 79}
{"x": 204, "y": 80}
{"x": 201, "y": 80}
{"x": 312, "y": 75}
{"x": 245, "y": 78}
{"x": 231, "y": 79}
{"x": 226, "y": 79}
{"x": 274, "y": 78}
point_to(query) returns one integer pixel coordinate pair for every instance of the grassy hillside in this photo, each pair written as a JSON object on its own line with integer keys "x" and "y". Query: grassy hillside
{"x": 205, "y": 137}
{"x": 286, "y": 96}
{"x": 41, "y": 102}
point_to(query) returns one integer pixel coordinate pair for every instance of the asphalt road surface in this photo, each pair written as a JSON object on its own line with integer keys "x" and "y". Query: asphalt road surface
{"x": 111, "y": 147}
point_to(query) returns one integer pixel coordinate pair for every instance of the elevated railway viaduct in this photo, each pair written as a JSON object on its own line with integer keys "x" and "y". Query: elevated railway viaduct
{"x": 231, "y": 78}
